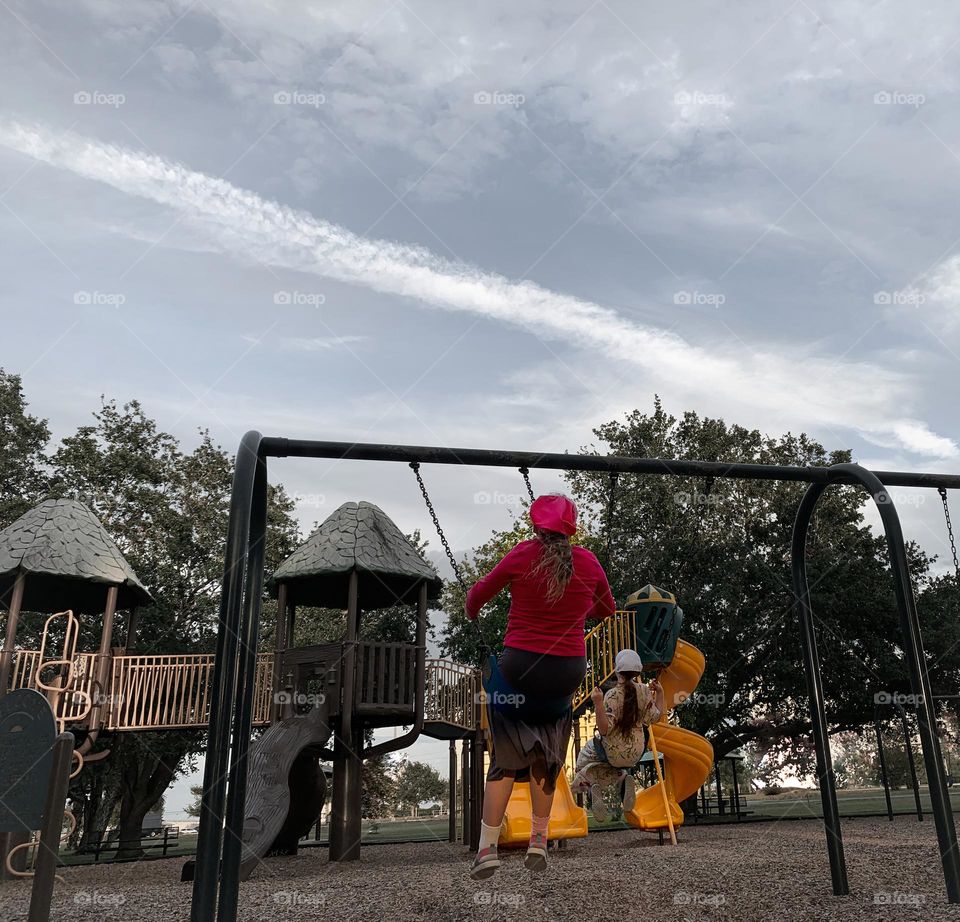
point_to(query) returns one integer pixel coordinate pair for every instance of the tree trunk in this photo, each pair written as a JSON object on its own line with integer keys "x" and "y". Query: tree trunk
{"x": 144, "y": 780}
{"x": 99, "y": 808}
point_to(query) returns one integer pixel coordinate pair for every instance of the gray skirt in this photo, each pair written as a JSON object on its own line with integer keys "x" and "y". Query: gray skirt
{"x": 522, "y": 744}
{"x": 519, "y": 746}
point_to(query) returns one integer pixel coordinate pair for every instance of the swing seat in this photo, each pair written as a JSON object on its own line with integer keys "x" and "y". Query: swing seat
{"x": 503, "y": 698}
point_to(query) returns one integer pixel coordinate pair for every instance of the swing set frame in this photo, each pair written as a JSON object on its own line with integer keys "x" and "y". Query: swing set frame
{"x": 219, "y": 845}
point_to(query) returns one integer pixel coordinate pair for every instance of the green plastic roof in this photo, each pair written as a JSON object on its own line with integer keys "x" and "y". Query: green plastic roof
{"x": 68, "y": 560}
{"x": 357, "y": 536}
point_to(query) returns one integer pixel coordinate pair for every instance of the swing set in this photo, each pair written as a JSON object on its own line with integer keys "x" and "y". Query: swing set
{"x": 216, "y": 885}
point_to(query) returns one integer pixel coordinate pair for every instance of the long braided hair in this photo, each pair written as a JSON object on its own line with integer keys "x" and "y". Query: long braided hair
{"x": 555, "y": 563}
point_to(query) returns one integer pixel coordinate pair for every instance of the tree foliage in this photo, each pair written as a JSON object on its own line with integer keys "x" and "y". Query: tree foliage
{"x": 23, "y": 442}
{"x": 417, "y": 783}
{"x": 167, "y": 509}
{"x": 723, "y": 547}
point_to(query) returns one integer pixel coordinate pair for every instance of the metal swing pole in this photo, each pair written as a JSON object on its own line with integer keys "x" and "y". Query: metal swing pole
{"x": 920, "y": 680}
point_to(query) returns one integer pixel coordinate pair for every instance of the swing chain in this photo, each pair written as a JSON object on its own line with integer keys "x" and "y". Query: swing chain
{"x": 415, "y": 467}
{"x": 946, "y": 514}
{"x": 525, "y": 473}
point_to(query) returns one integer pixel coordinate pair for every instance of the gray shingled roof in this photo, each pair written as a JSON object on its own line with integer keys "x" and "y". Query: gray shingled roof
{"x": 68, "y": 559}
{"x": 357, "y": 536}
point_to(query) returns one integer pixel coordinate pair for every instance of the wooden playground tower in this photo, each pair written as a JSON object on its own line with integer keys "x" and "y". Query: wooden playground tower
{"x": 59, "y": 558}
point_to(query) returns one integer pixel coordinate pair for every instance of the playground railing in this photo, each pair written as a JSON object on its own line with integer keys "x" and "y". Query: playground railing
{"x": 603, "y": 642}
{"x": 69, "y": 705}
{"x": 169, "y": 691}
{"x": 452, "y": 693}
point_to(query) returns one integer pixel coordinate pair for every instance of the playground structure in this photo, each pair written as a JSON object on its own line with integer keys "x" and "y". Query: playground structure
{"x": 237, "y": 688}
{"x": 356, "y": 561}
{"x": 216, "y": 885}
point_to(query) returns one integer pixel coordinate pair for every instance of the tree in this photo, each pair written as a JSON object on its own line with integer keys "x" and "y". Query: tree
{"x": 167, "y": 510}
{"x": 194, "y": 809}
{"x": 723, "y": 547}
{"x": 378, "y": 786}
{"x": 23, "y": 463}
{"x": 416, "y": 783}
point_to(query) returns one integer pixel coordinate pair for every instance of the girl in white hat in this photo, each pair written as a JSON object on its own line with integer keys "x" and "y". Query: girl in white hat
{"x": 623, "y": 713}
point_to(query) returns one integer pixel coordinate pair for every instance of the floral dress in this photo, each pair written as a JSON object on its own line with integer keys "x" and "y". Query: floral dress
{"x": 617, "y": 752}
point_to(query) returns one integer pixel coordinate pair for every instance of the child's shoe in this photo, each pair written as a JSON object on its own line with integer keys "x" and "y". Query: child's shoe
{"x": 536, "y": 857}
{"x": 629, "y": 793}
{"x": 597, "y": 805}
{"x": 485, "y": 864}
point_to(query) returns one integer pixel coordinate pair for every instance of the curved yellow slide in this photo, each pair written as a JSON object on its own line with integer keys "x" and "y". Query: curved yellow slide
{"x": 567, "y": 820}
{"x": 687, "y": 756}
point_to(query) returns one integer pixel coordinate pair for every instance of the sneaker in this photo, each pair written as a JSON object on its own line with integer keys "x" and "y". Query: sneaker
{"x": 597, "y": 805}
{"x": 536, "y": 857}
{"x": 485, "y": 864}
{"x": 629, "y": 793}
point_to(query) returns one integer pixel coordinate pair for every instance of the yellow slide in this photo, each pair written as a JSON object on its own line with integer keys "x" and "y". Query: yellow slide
{"x": 567, "y": 820}
{"x": 687, "y": 756}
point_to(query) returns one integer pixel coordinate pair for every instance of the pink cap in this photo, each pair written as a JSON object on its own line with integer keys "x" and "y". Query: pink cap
{"x": 554, "y": 513}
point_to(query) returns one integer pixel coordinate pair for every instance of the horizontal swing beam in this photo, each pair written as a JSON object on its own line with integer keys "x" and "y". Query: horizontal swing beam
{"x": 484, "y": 457}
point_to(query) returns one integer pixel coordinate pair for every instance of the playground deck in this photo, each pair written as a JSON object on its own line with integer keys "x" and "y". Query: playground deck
{"x": 753, "y": 872}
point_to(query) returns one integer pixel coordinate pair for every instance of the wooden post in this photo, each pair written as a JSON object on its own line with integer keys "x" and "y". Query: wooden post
{"x": 279, "y": 649}
{"x": 104, "y": 658}
{"x": 10, "y": 638}
{"x": 348, "y": 746}
{"x": 48, "y": 849}
{"x": 466, "y": 794}
{"x": 452, "y": 794}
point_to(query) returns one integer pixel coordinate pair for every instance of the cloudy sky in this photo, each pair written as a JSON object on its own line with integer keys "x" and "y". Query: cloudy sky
{"x": 491, "y": 225}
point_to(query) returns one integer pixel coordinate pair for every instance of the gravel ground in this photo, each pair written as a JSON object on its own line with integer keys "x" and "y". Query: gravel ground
{"x": 775, "y": 871}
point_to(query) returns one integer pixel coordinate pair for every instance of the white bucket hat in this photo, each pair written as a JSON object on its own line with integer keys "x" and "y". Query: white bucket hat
{"x": 628, "y": 661}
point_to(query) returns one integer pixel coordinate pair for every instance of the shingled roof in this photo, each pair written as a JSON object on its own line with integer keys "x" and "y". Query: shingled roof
{"x": 357, "y": 536}
{"x": 68, "y": 559}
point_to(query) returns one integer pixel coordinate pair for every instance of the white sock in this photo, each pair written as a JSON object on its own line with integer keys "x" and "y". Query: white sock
{"x": 489, "y": 836}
